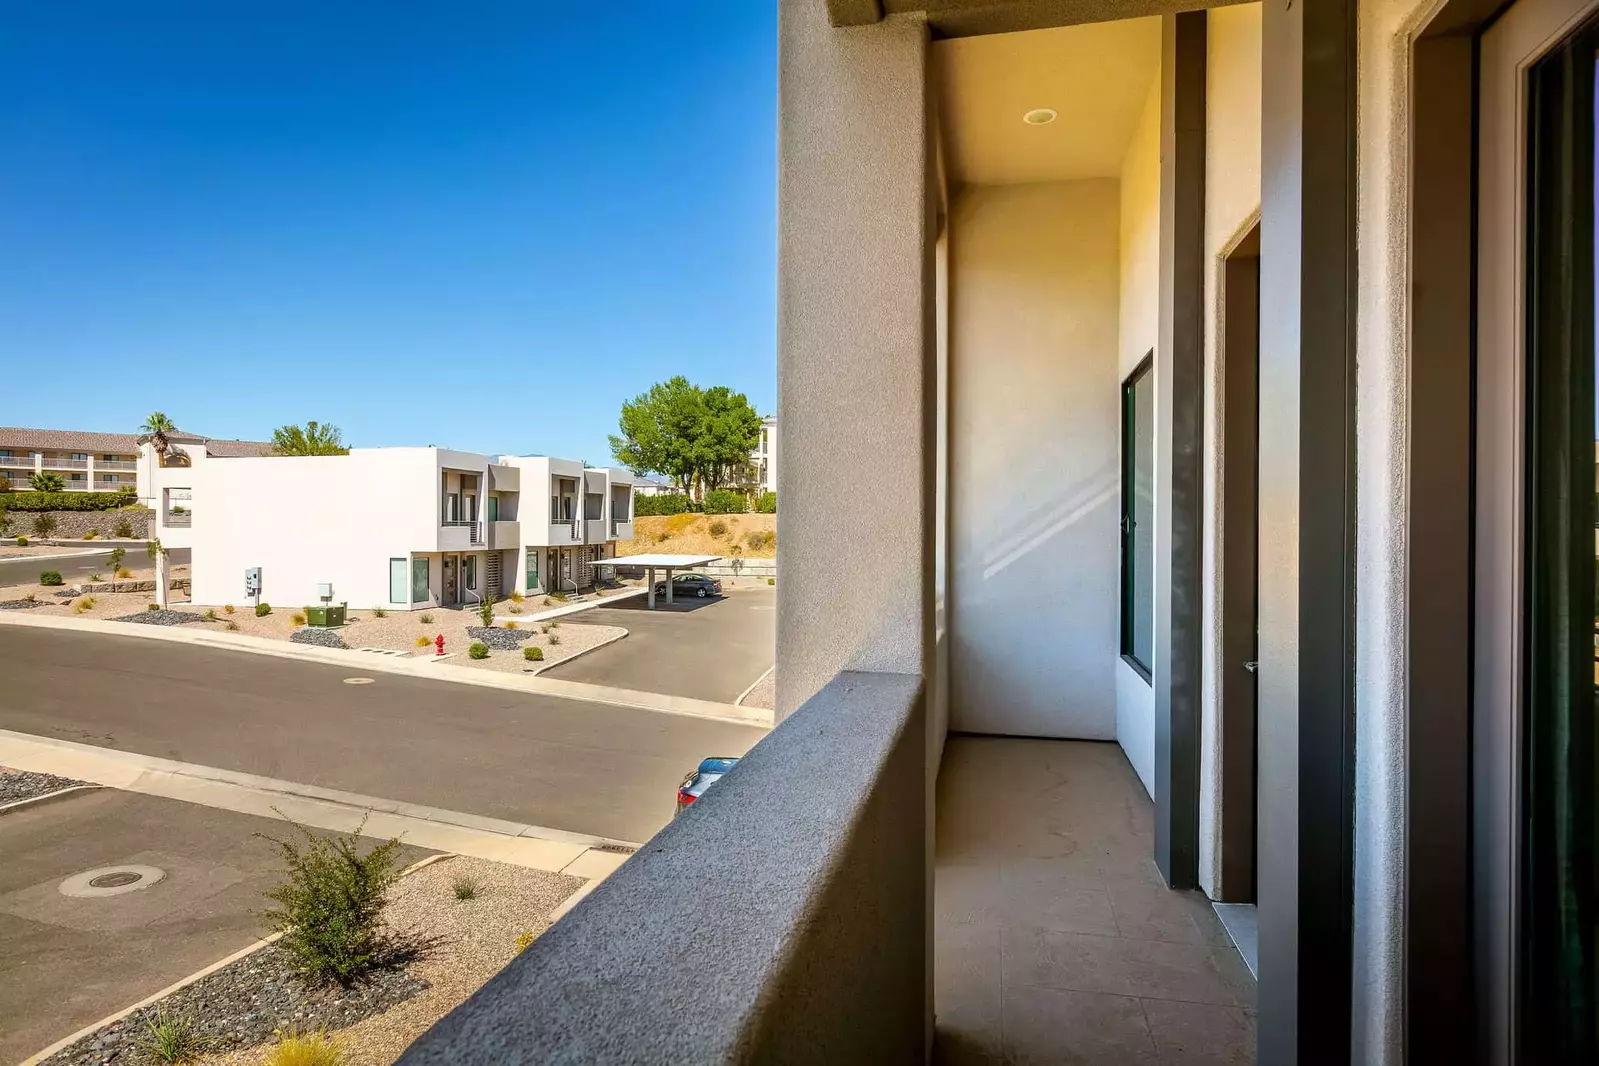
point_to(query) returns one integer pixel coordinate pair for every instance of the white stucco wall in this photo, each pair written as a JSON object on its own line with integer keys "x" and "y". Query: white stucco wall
{"x": 1232, "y": 206}
{"x": 1138, "y": 330}
{"x": 310, "y": 519}
{"x": 1033, "y": 459}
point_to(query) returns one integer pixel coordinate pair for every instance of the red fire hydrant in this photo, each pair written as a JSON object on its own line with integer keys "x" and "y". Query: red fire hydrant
{"x": 439, "y": 641}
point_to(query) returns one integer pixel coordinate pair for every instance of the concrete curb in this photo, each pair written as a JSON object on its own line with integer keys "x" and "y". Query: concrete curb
{"x": 178, "y": 986}
{"x": 363, "y": 662}
{"x": 741, "y": 696}
{"x": 17, "y": 805}
{"x": 571, "y": 608}
{"x": 579, "y": 655}
{"x": 46, "y": 558}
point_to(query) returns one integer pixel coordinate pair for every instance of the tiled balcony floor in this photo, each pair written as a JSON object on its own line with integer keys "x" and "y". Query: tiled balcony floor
{"x": 1055, "y": 940}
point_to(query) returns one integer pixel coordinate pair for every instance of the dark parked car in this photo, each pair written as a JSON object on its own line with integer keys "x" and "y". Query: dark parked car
{"x": 691, "y": 585}
{"x": 703, "y": 777}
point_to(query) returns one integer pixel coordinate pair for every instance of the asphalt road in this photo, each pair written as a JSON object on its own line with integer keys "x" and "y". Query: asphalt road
{"x": 566, "y": 764}
{"x": 67, "y": 962}
{"x": 25, "y": 571}
{"x": 710, "y": 649}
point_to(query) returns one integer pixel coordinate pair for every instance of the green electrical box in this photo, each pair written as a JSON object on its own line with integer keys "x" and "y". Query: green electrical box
{"x": 326, "y": 616}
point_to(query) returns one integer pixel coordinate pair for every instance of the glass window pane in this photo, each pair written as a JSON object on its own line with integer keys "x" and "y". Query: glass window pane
{"x": 419, "y": 581}
{"x": 1138, "y": 518}
{"x": 397, "y": 571}
{"x": 532, "y": 569}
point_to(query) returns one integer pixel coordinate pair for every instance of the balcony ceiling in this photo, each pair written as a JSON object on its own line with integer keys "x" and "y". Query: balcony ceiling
{"x": 1096, "y": 77}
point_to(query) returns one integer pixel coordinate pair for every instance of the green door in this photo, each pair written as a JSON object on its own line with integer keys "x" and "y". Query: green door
{"x": 532, "y": 569}
{"x": 419, "y": 581}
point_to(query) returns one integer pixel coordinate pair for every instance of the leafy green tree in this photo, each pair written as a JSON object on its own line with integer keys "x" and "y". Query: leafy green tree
{"x": 315, "y": 439}
{"x": 44, "y": 524}
{"x": 697, "y": 437}
{"x": 46, "y": 482}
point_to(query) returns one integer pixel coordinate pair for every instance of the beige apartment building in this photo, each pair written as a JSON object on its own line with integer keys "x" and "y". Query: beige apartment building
{"x": 1210, "y": 677}
{"x": 92, "y": 462}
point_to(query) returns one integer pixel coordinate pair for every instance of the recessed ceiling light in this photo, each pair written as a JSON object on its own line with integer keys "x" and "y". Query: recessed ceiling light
{"x": 1039, "y": 116}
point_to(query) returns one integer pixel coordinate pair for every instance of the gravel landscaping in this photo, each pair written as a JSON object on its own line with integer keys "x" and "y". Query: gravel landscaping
{"x": 25, "y": 784}
{"x": 161, "y": 618}
{"x": 322, "y": 638}
{"x": 22, "y": 605}
{"x": 495, "y": 637}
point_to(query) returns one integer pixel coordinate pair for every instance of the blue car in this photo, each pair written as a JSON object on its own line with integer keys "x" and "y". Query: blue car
{"x": 703, "y": 777}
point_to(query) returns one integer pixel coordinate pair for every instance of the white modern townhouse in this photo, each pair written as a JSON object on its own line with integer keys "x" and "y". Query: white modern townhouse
{"x": 398, "y": 528}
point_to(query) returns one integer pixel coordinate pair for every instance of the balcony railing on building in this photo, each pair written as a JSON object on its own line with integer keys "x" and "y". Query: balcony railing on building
{"x": 61, "y": 462}
{"x": 179, "y": 519}
{"x": 474, "y": 529}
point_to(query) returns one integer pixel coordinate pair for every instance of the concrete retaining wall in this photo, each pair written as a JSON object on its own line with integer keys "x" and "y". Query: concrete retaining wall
{"x": 71, "y": 525}
{"x": 807, "y": 907}
{"x": 176, "y": 584}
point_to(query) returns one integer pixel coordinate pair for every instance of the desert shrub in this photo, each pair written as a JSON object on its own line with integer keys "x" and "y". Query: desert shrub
{"x": 514, "y": 609}
{"x": 533, "y": 655}
{"x": 524, "y": 941}
{"x": 123, "y": 572}
{"x": 91, "y": 534}
{"x": 478, "y": 650}
{"x": 330, "y": 903}
{"x": 297, "y": 618}
{"x": 426, "y": 619}
{"x": 545, "y": 628}
{"x": 559, "y": 597}
{"x": 44, "y": 524}
{"x": 171, "y": 1039}
{"x": 726, "y": 501}
{"x": 116, "y": 557}
{"x": 555, "y": 624}
{"x": 306, "y": 1049}
{"x": 96, "y": 576}
{"x": 717, "y": 528}
{"x": 210, "y": 614}
{"x": 47, "y": 482}
{"x": 423, "y": 642}
{"x": 232, "y": 626}
{"x": 548, "y": 601}
{"x": 152, "y": 606}
{"x": 758, "y": 539}
{"x": 465, "y": 886}
{"x": 227, "y": 608}
{"x": 766, "y": 503}
{"x": 666, "y": 503}
{"x": 30, "y": 597}
{"x": 50, "y": 577}
{"x": 554, "y": 639}
{"x": 771, "y": 581}
{"x": 22, "y": 542}
{"x": 485, "y": 610}
{"x": 66, "y": 501}
{"x": 123, "y": 529}
{"x": 517, "y": 597}
{"x": 263, "y": 609}
{"x": 512, "y": 625}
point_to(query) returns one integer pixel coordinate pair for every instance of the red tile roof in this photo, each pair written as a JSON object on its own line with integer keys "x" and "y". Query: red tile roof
{"x": 70, "y": 440}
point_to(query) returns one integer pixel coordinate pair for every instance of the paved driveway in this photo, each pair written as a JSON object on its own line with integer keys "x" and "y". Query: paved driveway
{"x": 65, "y": 963}
{"x": 562, "y": 763}
{"x": 25, "y": 571}
{"x": 704, "y": 649}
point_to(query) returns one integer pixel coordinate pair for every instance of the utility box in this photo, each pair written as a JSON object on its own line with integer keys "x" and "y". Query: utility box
{"x": 326, "y": 616}
{"x": 252, "y": 581}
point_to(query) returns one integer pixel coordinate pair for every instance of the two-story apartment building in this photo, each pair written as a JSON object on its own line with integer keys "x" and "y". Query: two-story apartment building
{"x": 92, "y": 462}
{"x": 398, "y": 528}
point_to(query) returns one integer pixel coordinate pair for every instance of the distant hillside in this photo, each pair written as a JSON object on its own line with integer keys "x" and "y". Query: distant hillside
{"x": 748, "y": 536}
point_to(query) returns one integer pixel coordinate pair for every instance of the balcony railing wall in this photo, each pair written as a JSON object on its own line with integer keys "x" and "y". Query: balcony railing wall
{"x": 781, "y": 918}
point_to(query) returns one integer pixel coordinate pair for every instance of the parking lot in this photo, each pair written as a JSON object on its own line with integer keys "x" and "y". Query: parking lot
{"x": 65, "y": 961}
{"x": 710, "y": 649}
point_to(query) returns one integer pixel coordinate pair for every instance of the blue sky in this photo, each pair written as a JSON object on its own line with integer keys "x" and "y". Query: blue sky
{"x": 479, "y": 225}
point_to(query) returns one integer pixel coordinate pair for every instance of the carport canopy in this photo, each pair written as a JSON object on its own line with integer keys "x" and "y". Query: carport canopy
{"x": 654, "y": 562}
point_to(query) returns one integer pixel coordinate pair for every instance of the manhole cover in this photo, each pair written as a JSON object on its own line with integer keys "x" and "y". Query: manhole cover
{"x": 110, "y": 881}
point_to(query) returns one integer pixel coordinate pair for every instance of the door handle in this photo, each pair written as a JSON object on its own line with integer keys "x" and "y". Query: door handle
{"x": 1251, "y": 666}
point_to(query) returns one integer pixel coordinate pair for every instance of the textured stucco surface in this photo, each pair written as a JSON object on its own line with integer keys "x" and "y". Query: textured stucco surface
{"x": 1139, "y": 331}
{"x": 1033, "y": 459}
{"x": 1382, "y": 430}
{"x": 773, "y": 921}
{"x": 855, "y": 348}
{"x": 1232, "y": 206}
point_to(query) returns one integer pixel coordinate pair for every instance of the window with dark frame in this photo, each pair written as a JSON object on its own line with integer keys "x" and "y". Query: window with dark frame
{"x": 1138, "y": 519}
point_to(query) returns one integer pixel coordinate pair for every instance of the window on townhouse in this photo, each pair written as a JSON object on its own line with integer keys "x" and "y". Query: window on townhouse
{"x": 420, "y": 580}
{"x": 75, "y": 477}
{"x": 1138, "y": 519}
{"x": 398, "y": 571}
{"x": 81, "y": 457}
{"x": 494, "y": 508}
{"x": 110, "y": 477}
{"x": 469, "y": 571}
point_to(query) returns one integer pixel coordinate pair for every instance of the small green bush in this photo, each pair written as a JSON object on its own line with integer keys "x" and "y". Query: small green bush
{"x": 426, "y": 619}
{"x": 533, "y": 655}
{"x": 263, "y": 609}
{"x": 378, "y": 612}
{"x": 330, "y": 904}
{"x": 516, "y": 597}
{"x": 717, "y": 528}
{"x": 771, "y": 581}
{"x": 210, "y": 614}
{"x": 514, "y": 609}
{"x": 45, "y": 523}
{"x": 485, "y": 610}
{"x": 668, "y": 503}
{"x": 297, "y": 618}
{"x": 22, "y": 542}
{"x": 554, "y": 639}
{"x": 123, "y": 529}
{"x": 152, "y": 606}
{"x": 465, "y": 887}
{"x": 227, "y": 608}
{"x": 478, "y": 650}
{"x": 725, "y": 501}
{"x": 766, "y": 503}
{"x": 95, "y": 575}
{"x": 123, "y": 572}
{"x": 555, "y": 624}
{"x": 560, "y": 597}
{"x": 50, "y": 577}
{"x": 67, "y": 501}
{"x": 91, "y": 534}
{"x": 47, "y": 482}
{"x": 171, "y": 1039}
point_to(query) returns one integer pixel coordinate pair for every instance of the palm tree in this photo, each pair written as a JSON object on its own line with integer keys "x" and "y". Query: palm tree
{"x": 315, "y": 439}
{"x": 156, "y": 423}
{"x": 47, "y": 482}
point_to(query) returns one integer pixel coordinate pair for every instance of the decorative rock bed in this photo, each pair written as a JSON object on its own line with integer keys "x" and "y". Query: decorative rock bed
{"x": 162, "y": 618}
{"x": 25, "y": 784}
{"x": 21, "y": 605}
{"x": 322, "y": 638}
{"x": 243, "y": 1004}
{"x": 66, "y": 594}
{"x": 497, "y": 638}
